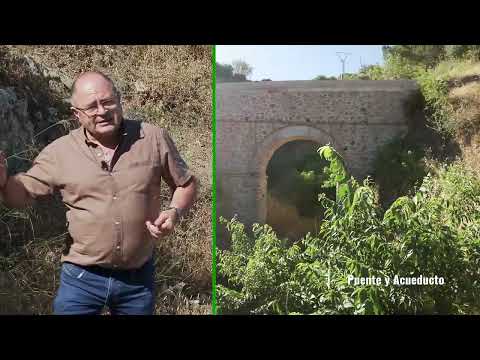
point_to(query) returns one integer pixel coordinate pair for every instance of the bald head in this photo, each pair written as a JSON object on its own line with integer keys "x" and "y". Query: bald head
{"x": 96, "y": 104}
{"x": 88, "y": 80}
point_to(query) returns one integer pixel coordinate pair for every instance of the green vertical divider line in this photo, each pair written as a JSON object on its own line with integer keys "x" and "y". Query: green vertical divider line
{"x": 214, "y": 187}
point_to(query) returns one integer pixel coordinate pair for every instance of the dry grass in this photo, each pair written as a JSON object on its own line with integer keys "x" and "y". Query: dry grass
{"x": 457, "y": 69}
{"x": 465, "y": 102}
{"x": 468, "y": 92}
{"x": 286, "y": 220}
{"x": 471, "y": 153}
{"x": 165, "y": 85}
{"x": 467, "y": 116}
{"x": 173, "y": 83}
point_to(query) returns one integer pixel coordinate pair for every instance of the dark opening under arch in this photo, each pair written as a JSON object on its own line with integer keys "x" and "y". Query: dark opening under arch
{"x": 294, "y": 176}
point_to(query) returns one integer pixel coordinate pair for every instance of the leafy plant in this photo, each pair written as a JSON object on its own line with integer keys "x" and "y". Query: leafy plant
{"x": 399, "y": 168}
{"x": 432, "y": 233}
{"x": 371, "y": 72}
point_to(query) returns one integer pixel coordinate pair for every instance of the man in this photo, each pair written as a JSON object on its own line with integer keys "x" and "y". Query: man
{"x": 109, "y": 173}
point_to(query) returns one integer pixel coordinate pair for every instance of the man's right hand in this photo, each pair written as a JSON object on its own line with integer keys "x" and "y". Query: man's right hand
{"x": 12, "y": 192}
{"x": 3, "y": 170}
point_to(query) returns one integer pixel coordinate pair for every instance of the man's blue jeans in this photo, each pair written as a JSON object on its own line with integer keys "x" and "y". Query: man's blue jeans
{"x": 87, "y": 290}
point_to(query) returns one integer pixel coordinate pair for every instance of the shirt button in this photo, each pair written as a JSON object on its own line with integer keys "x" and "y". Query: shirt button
{"x": 117, "y": 222}
{"x": 99, "y": 154}
{"x": 114, "y": 197}
{"x": 118, "y": 247}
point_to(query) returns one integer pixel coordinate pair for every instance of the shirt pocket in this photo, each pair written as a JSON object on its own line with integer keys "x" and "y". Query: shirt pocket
{"x": 142, "y": 176}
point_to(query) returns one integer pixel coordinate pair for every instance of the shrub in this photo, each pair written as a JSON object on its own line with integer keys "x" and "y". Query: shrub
{"x": 433, "y": 233}
{"x": 438, "y": 110}
{"x": 371, "y": 72}
{"x": 399, "y": 167}
{"x": 470, "y": 52}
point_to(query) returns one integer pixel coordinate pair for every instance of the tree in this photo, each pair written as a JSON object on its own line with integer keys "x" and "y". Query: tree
{"x": 323, "y": 77}
{"x": 427, "y": 55}
{"x": 224, "y": 71}
{"x": 463, "y": 51}
{"x": 240, "y": 67}
{"x": 350, "y": 76}
{"x": 371, "y": 72}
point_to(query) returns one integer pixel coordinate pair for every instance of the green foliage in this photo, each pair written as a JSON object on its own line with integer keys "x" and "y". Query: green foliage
{"x": 397, "y": 67}
{"x": 224, "y": 70}
{"x": 337, "y": 176}
{"x": 433, "y": 233}
{"x": 466, "y": 52}
{"x": 350, "y": 76}
{"x": 455, "y": 51}
{"x": 425, "y": 55}
{"x": 368, "y": 72}
{"x": 426, "y": 64}
{"x": 438, "y": 110}
{"x": 225, "y": 73}
{"x": 371, "y": 72}
{"x": 399, "y": 168}
{"x": 417, "y": 63}
{"x": 297, "y": 166}
{"x": 323, "y": 77}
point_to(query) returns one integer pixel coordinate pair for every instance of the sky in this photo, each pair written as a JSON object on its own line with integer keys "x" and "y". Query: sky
{"x": 299, "y": 62}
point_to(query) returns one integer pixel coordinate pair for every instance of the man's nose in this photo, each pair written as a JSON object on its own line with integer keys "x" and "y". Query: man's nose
{"x": 101, "y": 109}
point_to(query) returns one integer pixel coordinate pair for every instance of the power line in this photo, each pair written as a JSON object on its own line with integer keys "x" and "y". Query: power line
{"x": 343, "y": 60}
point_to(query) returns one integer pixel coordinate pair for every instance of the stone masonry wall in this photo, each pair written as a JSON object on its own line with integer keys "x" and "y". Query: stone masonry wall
{"x": 255, "y": 119}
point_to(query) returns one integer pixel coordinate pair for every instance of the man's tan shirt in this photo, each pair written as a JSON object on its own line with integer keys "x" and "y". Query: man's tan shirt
{"x": 109, "y": 204}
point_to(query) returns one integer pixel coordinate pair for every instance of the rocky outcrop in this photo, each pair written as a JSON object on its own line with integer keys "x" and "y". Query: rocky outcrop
{"x": 57, "y": 80}
{"x": 32, "y": 107}
{"x": 16, "y": 127}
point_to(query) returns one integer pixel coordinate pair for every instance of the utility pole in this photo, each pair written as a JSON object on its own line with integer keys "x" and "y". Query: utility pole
{"x": 343, "y": 57}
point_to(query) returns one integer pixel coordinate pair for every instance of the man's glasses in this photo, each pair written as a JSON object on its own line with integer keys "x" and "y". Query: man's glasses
{"x": 91, "y": 111}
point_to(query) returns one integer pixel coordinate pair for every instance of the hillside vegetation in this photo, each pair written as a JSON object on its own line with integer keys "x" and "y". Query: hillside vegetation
{"x": 418, "y": 216}
{"x": 169, "y": 86}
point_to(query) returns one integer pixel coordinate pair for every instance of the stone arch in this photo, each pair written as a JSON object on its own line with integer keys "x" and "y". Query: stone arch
{"x": 267, "y": 148}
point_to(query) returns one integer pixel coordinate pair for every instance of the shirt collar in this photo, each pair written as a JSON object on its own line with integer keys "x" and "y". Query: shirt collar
{"x": 92, "y": 142}
{"x": 129, "y": 128}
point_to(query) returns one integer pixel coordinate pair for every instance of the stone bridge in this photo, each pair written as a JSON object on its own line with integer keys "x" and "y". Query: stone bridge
{"x": 255, "y": 118}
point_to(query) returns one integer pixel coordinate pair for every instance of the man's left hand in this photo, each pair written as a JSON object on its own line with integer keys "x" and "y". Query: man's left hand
{"x": 163, "y": 224}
